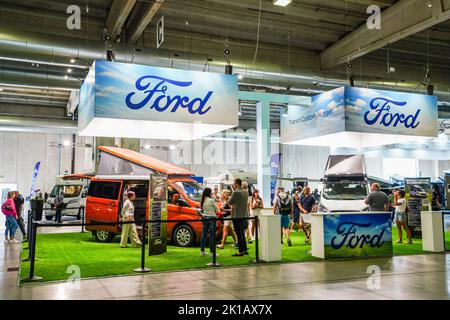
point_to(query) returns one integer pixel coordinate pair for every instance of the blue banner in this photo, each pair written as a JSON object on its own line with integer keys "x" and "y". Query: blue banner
{"x": 362, "y": 110}
{"x": 275, "y": 161}
{"x": 357, "y": 235}
{"x": 33, "y": 180}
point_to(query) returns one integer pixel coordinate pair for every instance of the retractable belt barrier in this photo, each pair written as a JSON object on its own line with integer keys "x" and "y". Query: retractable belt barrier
{"x": 32, "y": 239}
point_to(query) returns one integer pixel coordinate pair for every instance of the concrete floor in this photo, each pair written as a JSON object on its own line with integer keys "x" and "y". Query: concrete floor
{"x": 401, "y": 277}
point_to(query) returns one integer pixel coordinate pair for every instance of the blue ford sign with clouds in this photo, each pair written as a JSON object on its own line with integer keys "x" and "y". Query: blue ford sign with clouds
{"x": 136, "y": 101}
{"x": 362, "y": 115}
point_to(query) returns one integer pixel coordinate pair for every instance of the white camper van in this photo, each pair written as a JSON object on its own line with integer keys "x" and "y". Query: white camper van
{"x": 75, "y": 191}
{"x": 345, "y": 185}
{"x": 226, "y": 180}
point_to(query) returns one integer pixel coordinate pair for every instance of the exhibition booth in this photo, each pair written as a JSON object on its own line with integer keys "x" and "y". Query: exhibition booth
{"x": 134, "y": 101}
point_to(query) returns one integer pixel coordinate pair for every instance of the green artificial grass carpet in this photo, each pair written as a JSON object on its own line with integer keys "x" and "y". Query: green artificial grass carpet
{"x": 56, "y": 252}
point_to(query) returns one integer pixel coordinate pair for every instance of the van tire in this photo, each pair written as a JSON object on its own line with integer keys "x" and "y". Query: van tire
{"x": 103, "y": 236}
{"x": 183, "y": 236}
{"x": 48, "y": 218}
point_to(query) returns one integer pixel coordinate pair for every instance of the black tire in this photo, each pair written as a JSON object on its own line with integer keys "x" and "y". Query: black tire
{"x": 103, "y": 236}
{"x": 183, "y": 236}
{"x": 48, "y": 218}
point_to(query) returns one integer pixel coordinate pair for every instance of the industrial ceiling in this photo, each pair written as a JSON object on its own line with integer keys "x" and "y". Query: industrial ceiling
{"x": 303, "y": 48}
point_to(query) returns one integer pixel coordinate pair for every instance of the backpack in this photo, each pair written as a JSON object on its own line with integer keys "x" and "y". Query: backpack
{"x": 6, "y": 208}
{"x": 285, "y": 205}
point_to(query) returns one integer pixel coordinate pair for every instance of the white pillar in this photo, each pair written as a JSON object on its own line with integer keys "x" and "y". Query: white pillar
{"x": 263, "y": 150}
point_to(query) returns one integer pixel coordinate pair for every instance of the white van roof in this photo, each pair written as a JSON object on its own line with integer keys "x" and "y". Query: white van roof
{"x": 345, "y": 165}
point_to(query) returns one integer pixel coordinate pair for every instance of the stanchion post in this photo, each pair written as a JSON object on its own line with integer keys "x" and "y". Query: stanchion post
{"x": 256, "y": 240}
{"x": 214, "y": 262}
{"x": 143, "y": 269}
{"x": 83, "y": 219}
{"x": 29, "y": 221}
{"x": 32, "y": 277}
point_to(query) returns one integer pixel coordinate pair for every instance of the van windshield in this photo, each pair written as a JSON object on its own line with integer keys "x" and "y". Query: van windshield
{"x": 192, "y": 189}
{"x": 70, "y": 191}
{"x": 345, "y": 191}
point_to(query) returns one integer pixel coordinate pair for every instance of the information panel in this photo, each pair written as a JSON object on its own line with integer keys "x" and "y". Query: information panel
{"x": 419, "y": 196}
{"x": 357, "y": 235}
{"x": 157, "y": 231}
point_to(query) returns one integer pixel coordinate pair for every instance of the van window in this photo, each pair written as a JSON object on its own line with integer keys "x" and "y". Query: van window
{"x": 70, "y": 191}
{"x": 104, "y": 189}
{"x": 345, "y": 191}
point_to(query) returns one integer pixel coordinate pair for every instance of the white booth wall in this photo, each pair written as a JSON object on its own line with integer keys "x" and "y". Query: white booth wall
{"x": 19, "y": 152}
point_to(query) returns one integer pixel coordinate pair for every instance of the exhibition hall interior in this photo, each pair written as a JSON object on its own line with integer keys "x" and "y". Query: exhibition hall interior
{"x": 224, "y": 150}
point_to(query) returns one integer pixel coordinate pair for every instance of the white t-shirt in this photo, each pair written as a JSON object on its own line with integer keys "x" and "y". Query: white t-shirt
{"x": 128, "y": 209}
{"x": 401, "y": 207}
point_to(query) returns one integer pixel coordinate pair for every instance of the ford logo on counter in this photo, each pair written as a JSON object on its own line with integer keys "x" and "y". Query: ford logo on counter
{"x": 161, "y": 101}
{"x": 382, "y": 107}
{"x": 351, "y": 238}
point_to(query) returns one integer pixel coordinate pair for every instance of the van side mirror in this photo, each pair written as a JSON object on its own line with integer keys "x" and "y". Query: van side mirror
{"x": 84, "y": 193}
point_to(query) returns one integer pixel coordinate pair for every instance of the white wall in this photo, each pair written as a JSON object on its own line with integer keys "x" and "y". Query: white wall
{"x": 19, "y": 152}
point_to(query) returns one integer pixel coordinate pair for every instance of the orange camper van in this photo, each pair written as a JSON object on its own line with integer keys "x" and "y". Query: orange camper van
{"x": 119, "y": 168}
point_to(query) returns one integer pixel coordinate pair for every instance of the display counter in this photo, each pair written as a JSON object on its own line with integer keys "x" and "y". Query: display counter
{"x": 351, "y": 234}
{"x": 432, "y": 231}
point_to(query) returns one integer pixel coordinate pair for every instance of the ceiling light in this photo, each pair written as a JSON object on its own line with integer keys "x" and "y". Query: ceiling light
{"x": 66, "y": 143}
{"x": 281, "y": 3}
{"x": 147, "y": 146}
{"x": 69, "y": 70}
{"x": 172, "y": 147}
{"x": 72, "y": 60}
{"x": 429, "y": 4}
{"x": 66, "y": 77}
{"x": 240, "y": 76}
{"x": 1, "y": 89}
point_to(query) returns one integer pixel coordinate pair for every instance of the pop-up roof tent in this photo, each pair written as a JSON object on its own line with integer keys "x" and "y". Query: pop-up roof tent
{"x": 348, "y": 166}
{"x": 119, "y": 161}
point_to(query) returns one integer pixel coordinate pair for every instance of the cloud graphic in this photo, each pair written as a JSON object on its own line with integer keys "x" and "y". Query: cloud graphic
{"x": 360, "y": 103}
{"x": 352, "y": 109}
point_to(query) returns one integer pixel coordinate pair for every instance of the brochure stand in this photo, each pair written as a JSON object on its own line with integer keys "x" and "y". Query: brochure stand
{"x": 270, "y": 236}
{"x": 432, "y": 231}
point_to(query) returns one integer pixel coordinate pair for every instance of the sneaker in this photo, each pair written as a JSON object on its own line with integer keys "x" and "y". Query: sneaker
{"x": 6, "y": 241}
{"x": 409, "y": 241}
{"x": 202, "y": 253}
{"x": 399, "y": 241}
{"x": 220, "y": 246}
{"x": 249, "y": 240}
{"x": 14, "y": 241}
{"x": 307, "y": 240}
{"x": 289, "y": 243}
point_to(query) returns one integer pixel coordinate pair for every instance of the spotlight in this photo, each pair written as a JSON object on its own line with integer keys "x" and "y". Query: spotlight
{"x": 72, "y": 60}
{"x": 228, "y": 69}
{"x": 429, "y": 4}
{"x": 352, "y": 81}
{"x": 69, "y": 70}
{"x": 66, "y": 143}
{"x": 66, "y": 77}
{"x": 240, "y": 76}
{"x": 110, "y": 54}
{"x": 226, "y": 51}
{"x": 172, "y": 147}
{"x": 281, "y": 3}
{"x": 147, "y": 146}
{"x": 430, "y": 89}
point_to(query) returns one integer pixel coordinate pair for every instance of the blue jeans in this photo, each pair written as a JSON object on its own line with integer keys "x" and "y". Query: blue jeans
{"x": 11, "y": 227}
{"x": 208, "y": 228}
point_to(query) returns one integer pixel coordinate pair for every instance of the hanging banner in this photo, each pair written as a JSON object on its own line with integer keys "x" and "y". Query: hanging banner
{"x": 275, "y": 161}
{"x": 137, "y": 101}
{"x": 361, "y": 117}
{"x": 157, "y": 231}
{"x": 357, "y": 235}
{"x": 33, "y": 180}
{"x": 418, "y": 196}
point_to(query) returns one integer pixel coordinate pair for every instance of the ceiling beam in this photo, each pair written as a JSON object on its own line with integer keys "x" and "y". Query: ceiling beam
{"x": 118, "y": 14}
{"x": 403, "y": 19}
{"x": 148, "y": 12}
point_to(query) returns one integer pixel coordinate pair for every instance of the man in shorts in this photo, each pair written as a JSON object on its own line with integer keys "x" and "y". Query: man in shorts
{"x": 307, "y": 205}
{"x": 283, "y": 206}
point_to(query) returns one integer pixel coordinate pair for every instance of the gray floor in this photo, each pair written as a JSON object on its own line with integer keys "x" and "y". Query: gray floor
{"x": 402, "y": 277}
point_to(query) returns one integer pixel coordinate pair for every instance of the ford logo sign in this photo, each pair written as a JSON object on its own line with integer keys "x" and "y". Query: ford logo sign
{"x": 156, "y": 96}
{"x": 382, "y": 107}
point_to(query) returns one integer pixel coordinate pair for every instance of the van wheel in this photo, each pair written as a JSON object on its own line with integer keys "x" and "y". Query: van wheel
{"x": 103, "y": 236}
{"x": 184, "y": 236}
{"x": 48, "y": 218}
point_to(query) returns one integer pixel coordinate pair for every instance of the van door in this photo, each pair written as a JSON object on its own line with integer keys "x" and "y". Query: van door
{"x": 103, "y": 202}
